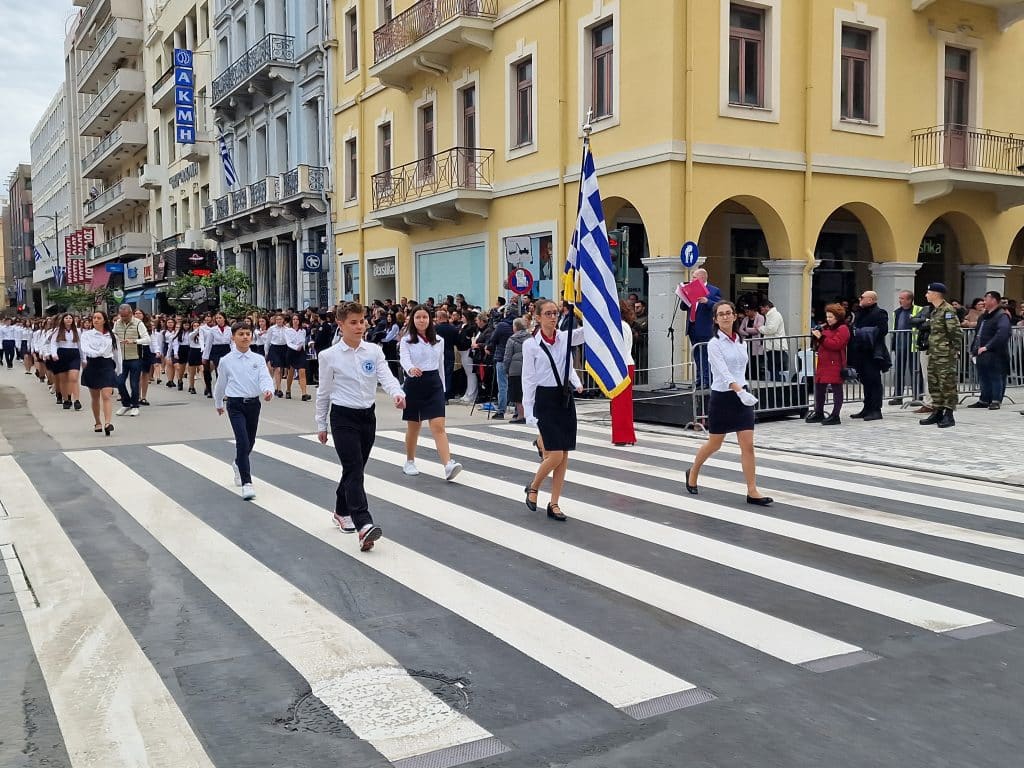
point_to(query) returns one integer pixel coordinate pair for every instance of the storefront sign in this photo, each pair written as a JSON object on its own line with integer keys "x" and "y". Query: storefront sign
{"x": 182, "y": 176}
{"x": 135, "y": 273}
{"x": 384, "y": 268}
{"x": 184, "y": 97}
{"x": 312, "y": 262}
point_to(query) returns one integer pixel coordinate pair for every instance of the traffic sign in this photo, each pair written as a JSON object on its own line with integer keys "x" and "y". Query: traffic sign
{"x": 520, "y": 281}
{"x": 689, "y": 254}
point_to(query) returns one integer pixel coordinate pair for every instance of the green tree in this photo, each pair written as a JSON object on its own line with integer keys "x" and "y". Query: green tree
{"x": 231, "y": 285}
{"x": 76, "y": 298}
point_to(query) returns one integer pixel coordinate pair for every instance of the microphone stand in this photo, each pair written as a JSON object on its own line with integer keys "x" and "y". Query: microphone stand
{"x": 672, "y": 351}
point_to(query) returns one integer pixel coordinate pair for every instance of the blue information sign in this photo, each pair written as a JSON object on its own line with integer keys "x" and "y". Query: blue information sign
{"x": 689, "y": 254}
{"x": 184, "y": 97}
{"x": 312, "y": 262}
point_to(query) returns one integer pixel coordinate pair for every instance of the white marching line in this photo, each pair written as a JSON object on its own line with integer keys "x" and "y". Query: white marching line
{"x": 838, "y": 509}
{"x": 874, "y": 599}
{"x": 841, "y": 464}
{"x": 956, "y": 570}
{"x": 113, "y": 709}
{"x": 363, "y": 685}
{"x": 768, "y": 634}
{"x": 606, "y": 671}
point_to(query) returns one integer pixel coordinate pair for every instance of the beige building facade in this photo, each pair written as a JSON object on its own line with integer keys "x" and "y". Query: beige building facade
{"x": 812, "y": 149}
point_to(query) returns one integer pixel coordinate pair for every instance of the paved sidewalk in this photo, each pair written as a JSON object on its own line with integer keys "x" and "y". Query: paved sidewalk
{"x": 984, "y": 444}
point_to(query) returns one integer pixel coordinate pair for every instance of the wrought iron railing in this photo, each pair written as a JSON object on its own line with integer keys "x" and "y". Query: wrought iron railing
{"x": 291, "y": 182}
{"x": 272, "y": 48}
{"x": 302, "y": 180}
{"x": 967, "y": 148}
{"x": 221, "y": 204}
{"x": 422, "y": 19}
{"x": 467, "y": 168}
{"x": 208, "y": 215}
{"x": 172, "y": 242}
{"x": 105, "y": 197}
{"x": 258, "y": 193}
{"x": 240, "y": 199}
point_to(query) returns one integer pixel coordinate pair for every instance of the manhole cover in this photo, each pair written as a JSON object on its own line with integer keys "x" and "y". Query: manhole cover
{"x": 310, "y": 714}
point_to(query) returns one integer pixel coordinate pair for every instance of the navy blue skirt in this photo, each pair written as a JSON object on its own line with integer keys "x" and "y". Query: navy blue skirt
{"x": 217, "y": 351}
{"x": 278, "y": 356}
{"x": 67, "y": 360}
{"x": 424, "y": 397}
{"x": 556, "y": 418}
{"x": 727, "y": 414}
{"x": 99, "y": 373}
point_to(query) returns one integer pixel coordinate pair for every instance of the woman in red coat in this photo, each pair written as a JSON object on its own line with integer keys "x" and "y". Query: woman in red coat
{"x": 831, "y": 341}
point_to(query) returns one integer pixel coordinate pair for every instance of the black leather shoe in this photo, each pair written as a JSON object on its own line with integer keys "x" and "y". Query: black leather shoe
{"x": 831, "y": 421}
{"x": 947, "y": 419}
{"x": 531, "y": 505}
{"x": 691, "y": 489}
{"x": 979, "y": 404}
{"x": 555, "y": 513}
{"x": 858, "y": 415}
{"x": 815, "y": 418}
{"x": 762, "y": 501}
{"x": 995, "y": 407}
{"x": 896, "y": 401}
{"x": 873, "y": 416}
{"x": 933, "y": 418}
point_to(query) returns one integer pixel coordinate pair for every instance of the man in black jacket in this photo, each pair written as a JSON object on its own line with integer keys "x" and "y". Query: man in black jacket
{"x": 869, "y": 353}
{"x": 991, "y": 352}
{"x": 450, "y": 335}
{"x": 496, "y": 348}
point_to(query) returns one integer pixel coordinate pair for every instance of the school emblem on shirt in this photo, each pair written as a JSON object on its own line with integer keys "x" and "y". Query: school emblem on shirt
{"x": 369, "y": 368}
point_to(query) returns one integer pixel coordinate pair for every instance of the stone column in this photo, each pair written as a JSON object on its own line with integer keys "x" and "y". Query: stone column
{"x": 664, "y": 273}
{"x": 786, "y": 292}
{"x": 285, "y": 269}
{"x": 891, "y": 277}
{"x": 980, "y": 278}
{"x": 263, "y": 297}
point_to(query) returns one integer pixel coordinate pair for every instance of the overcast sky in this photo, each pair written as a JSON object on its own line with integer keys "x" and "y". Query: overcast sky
{"x": 31, "y": 70}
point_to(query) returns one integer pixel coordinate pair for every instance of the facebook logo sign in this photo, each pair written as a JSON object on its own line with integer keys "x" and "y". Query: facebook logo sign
{"x": 184, "y": 97}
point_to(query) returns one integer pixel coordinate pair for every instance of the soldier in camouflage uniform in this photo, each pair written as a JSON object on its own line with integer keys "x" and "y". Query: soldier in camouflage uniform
{"x": 944, "y": 339}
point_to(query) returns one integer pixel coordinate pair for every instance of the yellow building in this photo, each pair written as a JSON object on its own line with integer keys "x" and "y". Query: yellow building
{"x": 813, "y": 148}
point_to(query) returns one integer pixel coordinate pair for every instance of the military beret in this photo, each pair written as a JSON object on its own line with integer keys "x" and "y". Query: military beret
{"x": 937, "y": 288}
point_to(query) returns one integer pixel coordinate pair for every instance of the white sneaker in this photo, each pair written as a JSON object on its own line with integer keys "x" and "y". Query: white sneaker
{"x": 248, "y": 492}
{"x": 345, "y": 523}
{"x": 238, "y": 475}
{"x": 133, "y": 412}
{"x": 122, "y": 411}
{"x": 410, "y": 468}
{"x": 451, "y": 469}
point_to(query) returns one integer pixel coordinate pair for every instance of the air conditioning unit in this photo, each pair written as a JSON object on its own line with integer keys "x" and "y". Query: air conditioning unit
{"x": 151, "y": 176}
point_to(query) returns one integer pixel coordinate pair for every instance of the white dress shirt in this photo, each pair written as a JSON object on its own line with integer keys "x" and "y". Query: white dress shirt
{"x": 295, "y": 338}
{"x": 728, "y": 361}
{"x": 96, "y": 344}
{"x": 215, "y": 335}
{"x": 422, "y": 355}
{"x": 241, "y": 374}
{"x": 6, "y": 333}
{"x": 276, "y": 335}
{"x": 349, "y": 377}
{"x": 537, "y": 368}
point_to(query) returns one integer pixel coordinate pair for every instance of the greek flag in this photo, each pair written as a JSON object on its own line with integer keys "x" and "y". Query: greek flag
{"x": 230, "y": 177}
{"x": 19, "y": 287}
{"x": 589, "y": 284}
{"x": 59, "y": 274}
{"x": 35, "y": 252}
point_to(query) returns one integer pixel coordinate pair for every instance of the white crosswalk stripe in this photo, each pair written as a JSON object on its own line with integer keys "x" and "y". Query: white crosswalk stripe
{"x": 796, "y": 607}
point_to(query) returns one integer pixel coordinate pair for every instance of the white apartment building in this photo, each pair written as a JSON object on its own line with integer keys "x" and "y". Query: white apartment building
{"x": 107, "y": 53}
{"x": 271, "y": 102}
{"x": 51, "y": 190}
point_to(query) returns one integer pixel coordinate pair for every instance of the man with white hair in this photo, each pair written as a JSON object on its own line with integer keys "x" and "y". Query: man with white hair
{"x": 130, "y": 334}
{"x": 700, "y": 329}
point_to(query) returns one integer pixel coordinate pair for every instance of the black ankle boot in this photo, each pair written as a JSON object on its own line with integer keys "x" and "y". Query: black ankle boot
{"x": 947, "y": 419}
{"x": 934, "y": 417}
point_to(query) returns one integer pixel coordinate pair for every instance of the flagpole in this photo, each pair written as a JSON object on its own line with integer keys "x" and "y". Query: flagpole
{"x": 587, "y": 128}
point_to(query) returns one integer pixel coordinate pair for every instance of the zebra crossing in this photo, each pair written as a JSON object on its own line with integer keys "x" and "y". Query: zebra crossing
{"x": 175, "y": 624}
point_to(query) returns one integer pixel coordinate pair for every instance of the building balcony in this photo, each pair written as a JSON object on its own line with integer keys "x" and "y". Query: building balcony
{"x": 119, "y": 200}
{"x": 163, "y": 91}
{"x": 107, "y": 157}
{"x": 424, "y": 38}
{"x": 93, "y": 19}
{"x": 268, "y": 202}
{"x": 119, "y": 40}
{"x": 256, "y": 72}
{"x": 113, "y": 102}
{"x": 437, "y": 188}
{"x": 130, "y": 245}
{"x": 958, "y": 157}
{"x": 153, "y": 176}
{"x": 1009, "y": 11}
{"x": 190, "y": 238}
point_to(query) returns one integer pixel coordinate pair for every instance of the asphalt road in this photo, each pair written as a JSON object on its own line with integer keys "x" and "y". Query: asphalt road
{"x": 150, "y": 617}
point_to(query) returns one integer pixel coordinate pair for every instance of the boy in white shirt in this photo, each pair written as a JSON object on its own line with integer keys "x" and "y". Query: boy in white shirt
{"x": 347, "y": 393}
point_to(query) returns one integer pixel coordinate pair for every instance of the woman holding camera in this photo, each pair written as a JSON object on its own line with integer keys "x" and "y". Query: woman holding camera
{"x": 731, "y": 407}
{"x": 831, "y": 341}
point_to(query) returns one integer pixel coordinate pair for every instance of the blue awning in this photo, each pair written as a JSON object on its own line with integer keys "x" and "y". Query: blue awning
{"x": 149, "y": 294}
{"x": 131, "y": 296}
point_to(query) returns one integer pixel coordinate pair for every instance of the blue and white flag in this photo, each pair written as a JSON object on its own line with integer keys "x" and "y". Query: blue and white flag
{"x": 19, "y": 287}
{"x": 35, "y": 252}
{"x": 230, "y": 177}
{"x": 59, "y": 274}
{"x": 589, "y": 284}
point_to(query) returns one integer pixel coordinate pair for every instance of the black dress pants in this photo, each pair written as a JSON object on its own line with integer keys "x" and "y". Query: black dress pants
{"x": 244, "y": 414}
{"x": 353, "y": 431}
{"x": 871, "y": 379}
